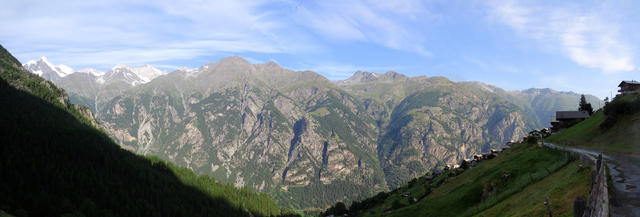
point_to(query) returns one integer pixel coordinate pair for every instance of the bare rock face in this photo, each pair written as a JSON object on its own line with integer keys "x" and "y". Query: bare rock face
{"x": 444, "y": 128}
{"x": 86, "y": 113}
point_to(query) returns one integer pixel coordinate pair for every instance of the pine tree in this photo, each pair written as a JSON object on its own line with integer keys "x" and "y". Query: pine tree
{"x": 584, "y": 106}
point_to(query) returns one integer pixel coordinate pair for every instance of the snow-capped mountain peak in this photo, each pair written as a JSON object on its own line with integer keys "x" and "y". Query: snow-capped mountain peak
{"x": 148, "y": 72}
{"x": 134, "y": 75}
{"x": 121, "y": 66}
{"x": 46, "y": 61}
{"x": 123, "y": 73}
{"x": 66, "y": 70}
{"x": 44, "y": 68}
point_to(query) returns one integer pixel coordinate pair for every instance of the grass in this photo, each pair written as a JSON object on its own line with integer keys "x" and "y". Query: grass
{"x": 485, "y": 191}
{"x": 623, "y": 137}
{"x": 562, "y": 187}
{"x": 580, "y": 132}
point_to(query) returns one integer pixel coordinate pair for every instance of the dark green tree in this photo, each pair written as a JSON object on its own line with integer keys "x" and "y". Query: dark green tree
{"x": 464, "y": 165}
{"x": 584, "y": 106}
{"x": 340, "y": 209}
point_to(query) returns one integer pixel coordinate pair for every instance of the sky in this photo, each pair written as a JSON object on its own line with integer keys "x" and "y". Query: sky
{"x": 580, "y": 46}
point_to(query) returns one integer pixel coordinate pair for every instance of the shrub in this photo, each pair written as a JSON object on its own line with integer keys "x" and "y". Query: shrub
{"x": 618, "y": 108}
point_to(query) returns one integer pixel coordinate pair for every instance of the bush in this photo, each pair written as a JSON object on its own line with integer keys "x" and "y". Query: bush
{"x": 396, "y": 205}
{"x": 618, "y": 108}
{"x": 532, "y": 139}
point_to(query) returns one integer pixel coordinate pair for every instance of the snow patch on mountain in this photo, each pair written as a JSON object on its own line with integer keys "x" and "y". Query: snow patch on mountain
{"x": 92, "y": 71}
{"x": 148, "y": 72}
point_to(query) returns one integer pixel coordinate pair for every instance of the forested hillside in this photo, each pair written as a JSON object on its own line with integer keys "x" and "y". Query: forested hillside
{"x": 54, "y": 163}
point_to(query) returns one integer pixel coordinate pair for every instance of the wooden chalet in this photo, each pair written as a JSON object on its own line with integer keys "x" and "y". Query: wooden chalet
{"x": 566, "y": 119}
{"x": 628, "y": 86}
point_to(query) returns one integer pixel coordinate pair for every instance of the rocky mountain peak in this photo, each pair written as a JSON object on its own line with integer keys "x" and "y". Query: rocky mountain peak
{"x": 394, "y": 75}
{"x": 271, "y": 66}
{"x": 361, "y": 77}
{"x": 233, "y": 61}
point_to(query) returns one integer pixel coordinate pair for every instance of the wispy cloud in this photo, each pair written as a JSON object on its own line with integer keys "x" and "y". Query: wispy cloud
{"x": 110, "y": 32}
{"x": 584, "y": 35}
{"x": 387, "y": 23}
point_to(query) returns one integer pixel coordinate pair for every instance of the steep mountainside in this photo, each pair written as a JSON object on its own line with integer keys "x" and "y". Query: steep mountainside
{"x": 428, "y": 122}
{"x": 54, "y": 163}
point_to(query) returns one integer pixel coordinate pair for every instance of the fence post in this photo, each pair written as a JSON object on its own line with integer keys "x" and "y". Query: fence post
{"x": 546, "y": 203}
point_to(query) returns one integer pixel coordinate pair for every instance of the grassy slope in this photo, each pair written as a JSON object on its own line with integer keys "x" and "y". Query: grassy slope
{"x": 562, "y": 187}
{"x": 469, "y": 193}
{"x": 624, "y": 136}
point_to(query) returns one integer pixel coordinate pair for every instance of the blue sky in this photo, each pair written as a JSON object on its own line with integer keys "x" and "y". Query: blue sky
{"x": 580, "y": 46}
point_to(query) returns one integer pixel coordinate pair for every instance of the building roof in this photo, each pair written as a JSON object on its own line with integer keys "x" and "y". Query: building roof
{"x": 571, "y": 115}
{"x": 629, "y": 82}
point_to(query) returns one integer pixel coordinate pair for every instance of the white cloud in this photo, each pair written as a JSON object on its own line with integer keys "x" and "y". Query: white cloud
{"x": 587, "y": 37}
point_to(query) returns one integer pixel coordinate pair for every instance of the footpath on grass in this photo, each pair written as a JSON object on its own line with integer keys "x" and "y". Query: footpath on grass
{"x": 625, "y": 174}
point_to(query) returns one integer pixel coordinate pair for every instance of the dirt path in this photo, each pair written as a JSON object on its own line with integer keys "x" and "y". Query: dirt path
{"x": 625, "y": 171}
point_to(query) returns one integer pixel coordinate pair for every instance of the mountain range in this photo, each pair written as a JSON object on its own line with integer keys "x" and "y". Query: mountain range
{"x": 298, "y": 136}
{"x": 121, "y": 72}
